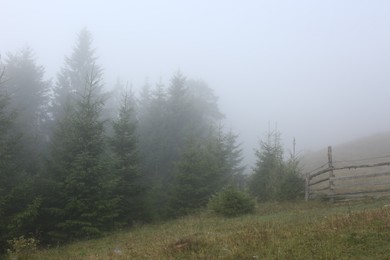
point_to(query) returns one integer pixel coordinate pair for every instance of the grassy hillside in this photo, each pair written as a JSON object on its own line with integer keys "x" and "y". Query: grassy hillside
{"x": 377, "y": 145}
{"x": 314, "y": 230}
{"x": 368, "y": 150}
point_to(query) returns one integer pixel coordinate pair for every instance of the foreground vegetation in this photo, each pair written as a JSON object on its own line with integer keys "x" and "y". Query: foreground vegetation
{"x": 313, "y": 230}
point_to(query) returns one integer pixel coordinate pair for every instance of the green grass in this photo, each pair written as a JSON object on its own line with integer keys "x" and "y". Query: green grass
{"x": 299, "y": 230}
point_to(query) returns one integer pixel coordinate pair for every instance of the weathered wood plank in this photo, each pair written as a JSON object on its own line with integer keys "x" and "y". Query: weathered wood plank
{"x": 331, "y": 173}
{"x": 371, "y": 175}
{"x": 321, "y": 189}
{"x": 348, "y": 167}
{"x": 335, "y": 181}
{"x": 359, "y": 192}
{"x": 362, "y": 166}
{"x": 307, "y": 187}
{"x": 361, "y": 185}
{"x": 319, "y": 181}
{"x": 319, "y": 173}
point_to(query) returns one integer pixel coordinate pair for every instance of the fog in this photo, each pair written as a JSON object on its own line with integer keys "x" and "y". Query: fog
{"x": 317, "y": 69}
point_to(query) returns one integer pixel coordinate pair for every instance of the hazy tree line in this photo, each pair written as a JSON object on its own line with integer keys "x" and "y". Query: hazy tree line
{"x": 76, "y": 161}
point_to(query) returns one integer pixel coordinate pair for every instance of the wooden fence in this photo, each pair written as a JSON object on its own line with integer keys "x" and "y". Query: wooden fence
{"x": 349, "y": 181}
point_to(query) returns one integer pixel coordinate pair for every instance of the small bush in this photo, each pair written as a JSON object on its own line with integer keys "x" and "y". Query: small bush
{"x": 231, "y": 202}
{"x": 21, "y": 247}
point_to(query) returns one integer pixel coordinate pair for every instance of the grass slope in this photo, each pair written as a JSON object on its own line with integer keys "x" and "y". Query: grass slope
{"x": 313, "y": 230}
{"x": 377, "y": 145}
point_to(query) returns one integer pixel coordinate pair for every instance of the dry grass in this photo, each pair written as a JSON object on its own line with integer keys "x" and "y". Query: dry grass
{"x": 357, "y": 230}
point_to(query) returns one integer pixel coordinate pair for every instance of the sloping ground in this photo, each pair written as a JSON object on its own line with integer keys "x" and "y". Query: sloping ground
{"x": 373, "y": 146}
{"x": 314, "y": 230}
{"x": 358, "y": 182}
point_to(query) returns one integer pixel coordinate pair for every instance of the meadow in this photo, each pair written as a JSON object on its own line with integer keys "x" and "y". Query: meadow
{"x": 295, "y": 230}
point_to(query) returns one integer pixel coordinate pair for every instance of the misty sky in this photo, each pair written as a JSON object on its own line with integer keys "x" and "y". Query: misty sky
{"x": 319, "y": 69}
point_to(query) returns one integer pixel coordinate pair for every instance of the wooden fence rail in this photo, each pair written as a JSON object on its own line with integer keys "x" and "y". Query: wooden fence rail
{"x": 326, "y": 183}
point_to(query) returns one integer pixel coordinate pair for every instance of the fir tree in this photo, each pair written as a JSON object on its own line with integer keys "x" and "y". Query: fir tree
{"x": 178, "y": 119}
{"x": 29, "y": 97}
{"x": 197, "y": 177}
{"x": 8, "y": 141}
{"x": 273, "y": 178}
{"x": 18, "y": 204}
{"x": 85, "y": 204}
{"x": 188, "y": 109}
{"x": 153, "y": 133}
{"x": 269, "y": 169}
{"x": 124, "y": 145}
{"x": 144, "y": 101}
{"x": 205, "y": 167}
{"x": 293, "y": 184}
{"x": 204, "y": 108}
{"x": 72, "y": 77}
{"x": 154, "y": 146}
{"x": 231, "y": 156}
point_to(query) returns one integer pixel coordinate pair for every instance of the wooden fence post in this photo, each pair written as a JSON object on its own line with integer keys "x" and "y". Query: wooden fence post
{"x": 307, "y": 187}
{"x": 331, "y": 173}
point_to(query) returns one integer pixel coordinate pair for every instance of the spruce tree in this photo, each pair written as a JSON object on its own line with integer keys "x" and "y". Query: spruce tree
{"x": 269, "y": 170}
{"x": 144, "y": 101}
{"x": 274, "y": 178}
{"x": 72, "y": 77}
{"x": 293, "y": 183}
{"x": 167, "y": 118}
{"x": 230, "y": 155}
{"x": 18, "y": 204}
{"x": 153, "y": 132}
{"x": 197, "y": 177}
{"x": 178, "y": 119}
{"x": 8, "y": 141}
{"x": 234, "y": 160}
{"x": 154, "y": 146}
{"x": 124, "y": 145}
{"x": 204, "y": 110}
{"x": 30, "y": 98}
{"x": 205, "y": 167}
{"x": 85, "y": 204}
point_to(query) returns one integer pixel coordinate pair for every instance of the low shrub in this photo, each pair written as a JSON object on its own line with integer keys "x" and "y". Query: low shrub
{"x": 21, "y": 247}
{"x": 231, "y": 202}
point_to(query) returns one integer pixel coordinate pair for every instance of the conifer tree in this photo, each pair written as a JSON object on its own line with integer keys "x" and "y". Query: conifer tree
{"x": 204, "y": 110}
{"x": 231, "y": 155}
{"x": 153, "y": 132}
{"x": 192, "y": 112}
{"x": 8, "y": 141}
{"x": 234, "y": 154}
{"x": 188, "y": 109}
{"x": 144, "y": 101}
{"x": 71, "y": 78}
{"x": 206, "y": 166}
{"x": 154, "y": 146}
{"x": 85, "y": 204}
{"x": 269, "y": 169}
{"x": 274, "y": 178}
{"x": 29, "y": 97}
{"x": 197, "y": 177}
{"x": 18, "y": 205}
{"x": 178, "y": 119}
{"x": 293, "y": 183}
{"x": 124, "y": 145}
